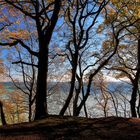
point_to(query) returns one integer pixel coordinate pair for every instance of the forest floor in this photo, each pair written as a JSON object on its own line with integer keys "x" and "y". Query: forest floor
{"x": 74, "y": 128}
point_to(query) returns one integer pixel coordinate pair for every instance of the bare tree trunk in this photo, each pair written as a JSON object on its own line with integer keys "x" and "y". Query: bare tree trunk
{"x": 67, "y": 102}
{"x": 30, "y": 108}
{"x": 41, "y": 91}
{"x": 135, "y": 84}
{"x": 85, "y": 109}
{"x": 77, "y": 91}
{"x": 3, "y": 120}
{"x": 44, "y": 40}
{"x": 138, "y": 108}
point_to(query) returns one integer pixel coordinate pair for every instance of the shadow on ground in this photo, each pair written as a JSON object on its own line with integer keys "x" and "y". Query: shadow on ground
{"x": 74, "y": 128}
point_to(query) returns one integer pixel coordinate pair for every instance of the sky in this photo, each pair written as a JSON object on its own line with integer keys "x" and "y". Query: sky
{"x": 22, "y": 25}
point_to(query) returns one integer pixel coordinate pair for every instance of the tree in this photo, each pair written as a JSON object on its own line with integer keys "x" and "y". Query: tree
{"x": 44, "y": 14}
{"x": 131, "y": 34}
{"x": 3, "y": 120}
{"x": 28, "y": 85}
{"x": 107, "y": 55}
{"x": 24, "y": 75}
{"x": 77, "y": 16}
{"x": 78, "y": 44}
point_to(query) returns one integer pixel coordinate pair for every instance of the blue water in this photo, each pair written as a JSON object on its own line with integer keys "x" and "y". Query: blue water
{"x": 64, "y": 86}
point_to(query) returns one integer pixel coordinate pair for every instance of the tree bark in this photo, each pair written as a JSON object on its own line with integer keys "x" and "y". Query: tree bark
{"x": 3, "y": 120}
{"x": 138, "y": 108}
{"x": 44, "y": 40}
{"x": 77, "y": 92}
{"x": 135, "y": 84}
{"x": 74, "y": 68}
{"x": 67, "y": 102}
{"x": 41, "y": 92}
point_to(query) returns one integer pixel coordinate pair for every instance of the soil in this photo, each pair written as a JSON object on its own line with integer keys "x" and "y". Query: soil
{"x": 74, "y": 128}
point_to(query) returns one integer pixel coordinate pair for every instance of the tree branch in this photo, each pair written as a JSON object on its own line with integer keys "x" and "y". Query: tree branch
{"x": 22, "y": 62}
{"x": 26, "y": 47}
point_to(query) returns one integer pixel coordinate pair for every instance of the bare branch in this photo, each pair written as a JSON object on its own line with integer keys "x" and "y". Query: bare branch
{"x": 22, "y": 62}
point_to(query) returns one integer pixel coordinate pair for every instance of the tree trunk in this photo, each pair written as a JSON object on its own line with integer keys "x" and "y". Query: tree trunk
{"x": 30, "y": 114}
{"x": 135, "y": 84}
{"x": 75, "y": 101}
{"x": 67, "y": 102}
{"x": 74, "y": 68}
{"x": 84, "y": 97}
{"x": 3, "y": 120}
{"x": 133, "y": 99}
{"x": 138, "y": 107}
{"x": 44, "y": 41}
{"x": 41, "y": 92}
{"x": 30, "y": 108}
{"x": 76, "y": 111}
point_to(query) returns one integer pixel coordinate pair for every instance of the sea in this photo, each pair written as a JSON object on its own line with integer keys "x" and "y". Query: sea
{"x": 112, "y": 100}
